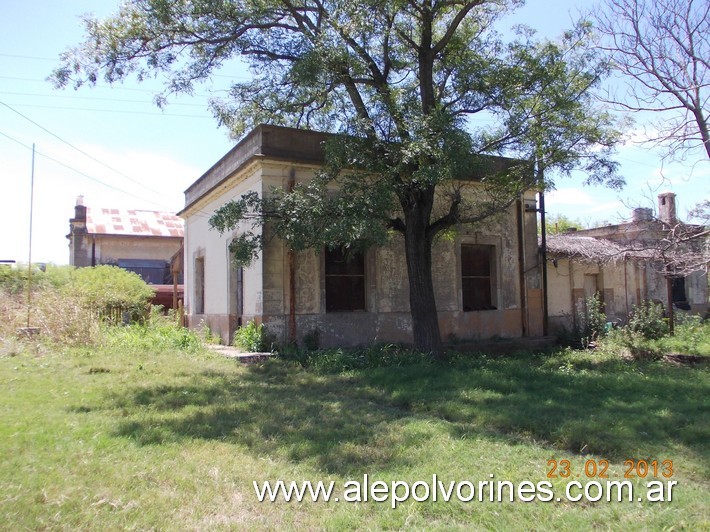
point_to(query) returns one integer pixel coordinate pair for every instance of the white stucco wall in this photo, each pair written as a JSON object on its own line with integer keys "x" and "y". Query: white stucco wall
{"x": 202, "y": 241}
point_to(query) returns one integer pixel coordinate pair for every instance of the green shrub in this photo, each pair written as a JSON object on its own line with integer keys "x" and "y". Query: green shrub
{"x": 207, "y": 335}
{"x": 646, "y": 335}
{"x": 692, "y": 337}
{"x": 592, "y": 323}
{"x": 68, "y": 303}
{"x": 629, "y": 344}
{"x": 110, "y": 291}
{"x": 648, "y": 321}
{"x": 14, "y": 280}
{"x": 311, "y": 340}
{"x": 60, "y": 316}
{"x": 251, "y": 337}
{"x": 78, "y": 307}
{"x": 57, "y": 276}
{"x": 157, "y": 333}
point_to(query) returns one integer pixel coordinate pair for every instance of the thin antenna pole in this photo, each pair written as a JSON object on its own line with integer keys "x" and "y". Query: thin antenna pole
{"x": 29, "y": 260}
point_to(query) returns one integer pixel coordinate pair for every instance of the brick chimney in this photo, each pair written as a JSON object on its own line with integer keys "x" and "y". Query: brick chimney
{"x": 78, "y": 239}
{"x": 666, "y": 208}
{"x": 80, "y": 209}
{"x": 642, "y": 214}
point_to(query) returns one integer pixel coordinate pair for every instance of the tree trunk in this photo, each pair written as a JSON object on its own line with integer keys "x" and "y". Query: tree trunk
{"x": 703, "y": 127}
{"x": 417, "y": 244}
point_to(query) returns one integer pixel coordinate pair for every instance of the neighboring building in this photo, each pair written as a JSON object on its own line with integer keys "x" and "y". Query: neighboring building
{"x": 623, "y": 264}
{"x": 487, "y": 281}
{"x": 144, "y": 242}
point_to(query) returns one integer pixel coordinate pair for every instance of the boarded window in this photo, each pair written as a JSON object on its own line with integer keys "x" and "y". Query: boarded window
{"x": 200, "y": 285}
{"x": 477, "y": 277}
{"x": 344, "y": 280}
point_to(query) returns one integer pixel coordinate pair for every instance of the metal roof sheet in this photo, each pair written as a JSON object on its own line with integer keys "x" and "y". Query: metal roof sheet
{"x": 132, "y": 222}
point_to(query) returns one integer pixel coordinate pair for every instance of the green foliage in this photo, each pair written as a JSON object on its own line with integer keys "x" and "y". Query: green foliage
{"x": 592, "y": 322}
{"x": 207, "y": 335}
{"x": 645, "y": 336}
{"x": 106, "y": 288}
{"x": 559, "y": 223}
{"x": 691, "y": 336}
{"x": 74, "y": 308}
{"x": 252, "y": 338}
{"x": 399, "y": 82}
{"x": 630, "y": 344}
{"x": 14, "y": 280}
{"x": 158, "y": 333}
{"x": 56, "y": 312}
{"x": 311, "y": 340}
{"x": 647, "y": 319}
{"x": 340, "y": 360}
{"x": 58, "y": 276}
{"x": 245, "y": 246}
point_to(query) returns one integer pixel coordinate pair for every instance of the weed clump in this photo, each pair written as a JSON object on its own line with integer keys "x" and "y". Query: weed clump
{"x": 103, "y": 306}
{"x": 252, "y": 338}
{"x": 339, "y": 360}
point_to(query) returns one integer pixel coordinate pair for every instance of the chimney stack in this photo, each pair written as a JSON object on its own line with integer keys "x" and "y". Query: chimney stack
{"x": 642, "y": 214}
{"x": 666, "y": 208}
{"x": 80, "y": 209}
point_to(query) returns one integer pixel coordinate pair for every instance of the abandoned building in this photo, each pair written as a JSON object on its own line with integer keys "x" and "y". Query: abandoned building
{"x": 487, "y": 279}
{"x": 623, "y": 264}
{"x": 148, "y": 243}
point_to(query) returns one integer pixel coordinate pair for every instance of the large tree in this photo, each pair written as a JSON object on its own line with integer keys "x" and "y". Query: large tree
{"x": 662, "y": 49}
{"x": 401, "y": 80}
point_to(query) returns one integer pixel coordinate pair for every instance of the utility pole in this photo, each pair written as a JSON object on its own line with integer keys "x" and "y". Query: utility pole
{"x": 29, "y": 259}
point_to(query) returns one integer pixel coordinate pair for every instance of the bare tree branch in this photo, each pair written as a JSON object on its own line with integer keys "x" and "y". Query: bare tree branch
{"x": 663, "y": 47}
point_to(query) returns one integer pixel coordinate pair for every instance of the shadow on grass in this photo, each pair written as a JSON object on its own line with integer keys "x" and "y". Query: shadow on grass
{"x": 275, "y": 409}
{"x": 344, "y": 423}
{"x": 614, "y": 408}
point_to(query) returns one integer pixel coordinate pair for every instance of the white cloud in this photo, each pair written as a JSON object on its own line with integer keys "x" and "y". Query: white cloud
{"x": 568, "y": 196}
{"x": 590, "y": 206}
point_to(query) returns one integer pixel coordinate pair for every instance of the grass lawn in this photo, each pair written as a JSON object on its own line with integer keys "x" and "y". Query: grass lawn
{"x": 111, "y": 439}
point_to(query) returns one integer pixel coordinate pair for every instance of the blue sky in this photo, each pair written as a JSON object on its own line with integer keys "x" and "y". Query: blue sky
{"x": 112, "y": 145}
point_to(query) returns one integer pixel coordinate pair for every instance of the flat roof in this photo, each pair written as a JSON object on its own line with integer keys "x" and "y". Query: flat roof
{"x": 297, "y": 146}
{"x": 264, "y": 141}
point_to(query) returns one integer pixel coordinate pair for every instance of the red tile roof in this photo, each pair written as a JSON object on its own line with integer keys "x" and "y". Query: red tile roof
{"x": 133, "y": 222}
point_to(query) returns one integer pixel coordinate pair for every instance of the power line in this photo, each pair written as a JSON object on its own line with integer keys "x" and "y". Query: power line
{"x": 55, "y": 59}
{"x": 80, "y": 150}
{"x": 100, "y": 182}
{"x": 94, "y": 110}
{"x": 115, "y": 87}
{"x": 92, "y": 158}
{"x": 36, "y": 80}
{"x": 95, "y": 98}
{"x": 16, "y": 56}
{"x": 199, "y": 212}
